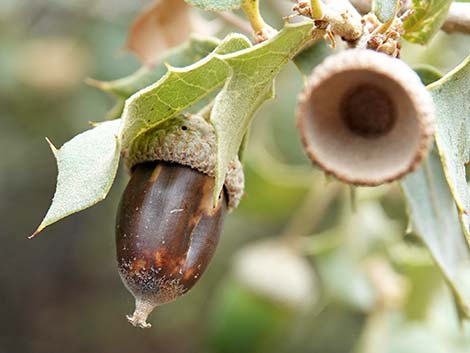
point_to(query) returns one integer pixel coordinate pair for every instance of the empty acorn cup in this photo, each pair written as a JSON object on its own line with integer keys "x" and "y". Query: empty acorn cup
{"x": 365, "y": 117}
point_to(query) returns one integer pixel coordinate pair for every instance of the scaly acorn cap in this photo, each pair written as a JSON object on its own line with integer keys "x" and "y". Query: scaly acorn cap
{"x": 187, "y": 140}
{"x": 365, "y": 117}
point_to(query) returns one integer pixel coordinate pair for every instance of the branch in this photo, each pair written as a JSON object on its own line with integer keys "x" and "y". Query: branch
{"x": 344, "y": 19}
{"x": 458, "y": 19}
{"x": 317, "y": 9}
{"x": 262, "y": 30}
{"x": 333, "y": 16}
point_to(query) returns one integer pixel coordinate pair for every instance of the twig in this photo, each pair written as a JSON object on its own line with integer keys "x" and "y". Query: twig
{"x": 317, "y": 9}
{"x": 344, "y": 21}
{"x": 458, "y": 19}
{"x": 262, "y": 31}
{"x": 235, "y": 21}
{"x": 334, "y": 16}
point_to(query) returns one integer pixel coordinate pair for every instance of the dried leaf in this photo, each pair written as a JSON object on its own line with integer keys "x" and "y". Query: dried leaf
{"x": 165, "y": 24}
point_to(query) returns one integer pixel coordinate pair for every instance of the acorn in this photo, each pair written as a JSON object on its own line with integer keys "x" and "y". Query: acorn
{"x": 167, "y": 226}
{"x": 365, "y": 117}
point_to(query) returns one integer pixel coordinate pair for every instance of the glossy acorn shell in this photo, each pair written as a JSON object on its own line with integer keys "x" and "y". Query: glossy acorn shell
{"x": 166, "y": 233}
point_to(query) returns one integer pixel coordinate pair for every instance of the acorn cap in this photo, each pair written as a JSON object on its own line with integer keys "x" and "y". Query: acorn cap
{"x": 365, "y": 117}
{"x": 187, "y": 140}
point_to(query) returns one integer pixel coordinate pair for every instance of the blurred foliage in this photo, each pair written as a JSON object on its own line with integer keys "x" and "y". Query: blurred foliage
{"x": 379, "y": 291}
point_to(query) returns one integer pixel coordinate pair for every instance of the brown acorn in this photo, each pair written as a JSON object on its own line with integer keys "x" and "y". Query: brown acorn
{"x": 166, "y": 233}
{"x": 167, "y": 225}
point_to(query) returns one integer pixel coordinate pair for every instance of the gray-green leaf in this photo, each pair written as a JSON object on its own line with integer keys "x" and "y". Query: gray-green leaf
{"x": 451, "y": 95}
{"x": 196, "y": 48}
{"x": 250, "y": 84}
{"x": 87, "y": 166}
{"x": 385, "y": 10}
{"x": 216, "y": 5}
{"x": 177, "y": 90}
{"x": 435, "y": 221}
{"x": 427, "y": 19}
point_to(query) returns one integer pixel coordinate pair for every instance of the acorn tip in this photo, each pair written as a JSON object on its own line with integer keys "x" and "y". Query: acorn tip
{"x": 141, "y": 313}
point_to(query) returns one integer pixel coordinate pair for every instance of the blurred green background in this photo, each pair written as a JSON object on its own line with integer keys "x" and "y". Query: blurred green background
{"x": 298, "y": 268}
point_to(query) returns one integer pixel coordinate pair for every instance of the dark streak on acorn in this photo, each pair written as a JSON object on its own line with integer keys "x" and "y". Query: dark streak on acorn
{"x": 166, "y": 233}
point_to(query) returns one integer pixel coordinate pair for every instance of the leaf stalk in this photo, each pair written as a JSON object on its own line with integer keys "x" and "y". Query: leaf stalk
{"x": 261, "y": 29}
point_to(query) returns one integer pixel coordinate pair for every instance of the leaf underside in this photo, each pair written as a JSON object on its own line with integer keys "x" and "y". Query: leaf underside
{"x": 451, "y": 96}
{"x": 250, "y": 84}
{"x": 87, "y": 165}
{"x": 438, "y": 194}
{"x": 178, "y": 89}
{"x": 385, "y": 10}
{"x": 435, "y": 221}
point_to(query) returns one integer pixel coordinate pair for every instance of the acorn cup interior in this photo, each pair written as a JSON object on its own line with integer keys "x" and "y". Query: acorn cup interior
{"x": 361, "y": 126}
